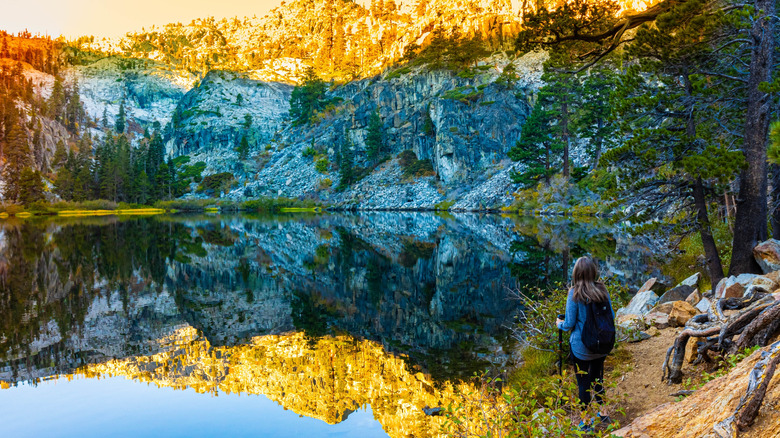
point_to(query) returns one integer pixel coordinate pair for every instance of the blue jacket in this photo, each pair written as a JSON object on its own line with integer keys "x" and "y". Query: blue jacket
{"x": 576, "y": 312}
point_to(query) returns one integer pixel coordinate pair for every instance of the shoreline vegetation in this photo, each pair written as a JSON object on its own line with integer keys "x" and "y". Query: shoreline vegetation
{"x": 102, "y": 207}
{"x": 108, "y": 208}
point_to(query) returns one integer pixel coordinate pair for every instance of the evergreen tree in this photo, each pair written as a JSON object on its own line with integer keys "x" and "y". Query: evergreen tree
{"x": 31, "y": 187}
{"x": 18, "y": 157}
{"x": 74, "y": 111}
{"x": 243, "y": 149}
{"x": 57, "y": 101}
{"x": 375, "y": 142}
{"x": 60, "y": 155}
{"x": 676, "y": 153}
{"x": 538, "y": 150}
{"x": 592, "y": 120}
{"x": 346, "y": 163}
{"x": 308, "y": 98}
{"x": 119, "y": 125}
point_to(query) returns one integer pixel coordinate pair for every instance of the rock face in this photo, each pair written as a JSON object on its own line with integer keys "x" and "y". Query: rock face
{"x": 224, "y": 108}
{"x": 767, "y": 255}
{"x": 464, "y": 126}
{"x": 696, "y": 415}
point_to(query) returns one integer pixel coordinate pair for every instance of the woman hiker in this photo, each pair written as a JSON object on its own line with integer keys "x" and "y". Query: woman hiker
{"x": 585, "y": 289}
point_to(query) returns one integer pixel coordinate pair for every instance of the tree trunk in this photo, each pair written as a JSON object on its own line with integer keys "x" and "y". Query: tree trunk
{"x": 598, "y": 141}
{"x": 547, "y": 163}
{"x": 565, "y": 135}
{"x": 714, "y": 265}
{"x": 750, "y": 227}
{"x": 775, "y": 200}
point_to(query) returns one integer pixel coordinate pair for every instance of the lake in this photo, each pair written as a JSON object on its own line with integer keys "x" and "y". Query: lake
{"x": 325, "y": 325}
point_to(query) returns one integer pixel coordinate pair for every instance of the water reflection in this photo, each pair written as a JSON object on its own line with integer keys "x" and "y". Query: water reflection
{"x": 323, "y": 314}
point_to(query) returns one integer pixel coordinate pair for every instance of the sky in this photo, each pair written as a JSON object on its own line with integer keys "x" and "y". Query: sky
{"x": 113, "y": 18}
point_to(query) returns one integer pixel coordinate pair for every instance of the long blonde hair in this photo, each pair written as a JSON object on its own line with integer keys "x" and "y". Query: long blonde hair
{"x": 584, "y": 282}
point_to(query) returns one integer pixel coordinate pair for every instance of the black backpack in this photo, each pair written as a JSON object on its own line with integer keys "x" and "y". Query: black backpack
{"x": 598, "y": 333}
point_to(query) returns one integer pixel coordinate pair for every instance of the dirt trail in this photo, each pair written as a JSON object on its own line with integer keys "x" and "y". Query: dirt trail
{"x": 642, "y": 385}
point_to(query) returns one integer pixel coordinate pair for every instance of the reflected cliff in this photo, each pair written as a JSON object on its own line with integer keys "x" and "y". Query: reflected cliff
{"x": 323, "y": 314}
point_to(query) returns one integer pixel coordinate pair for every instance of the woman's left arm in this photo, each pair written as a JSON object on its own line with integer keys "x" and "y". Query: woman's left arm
{"x": 571, "y": 314}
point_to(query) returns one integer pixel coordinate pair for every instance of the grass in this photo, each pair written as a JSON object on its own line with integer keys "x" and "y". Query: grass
{"x": 687, "y": 262}
{"x": 118, "y": 212}
{"x": 98, "y": 207}
{"x": 300, "y": 210}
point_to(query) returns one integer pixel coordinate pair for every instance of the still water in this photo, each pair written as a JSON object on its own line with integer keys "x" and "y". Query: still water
{"x": 328, "y": 325}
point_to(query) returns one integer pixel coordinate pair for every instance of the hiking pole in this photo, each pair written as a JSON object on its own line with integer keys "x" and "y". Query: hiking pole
{"x": 560, "y": 348}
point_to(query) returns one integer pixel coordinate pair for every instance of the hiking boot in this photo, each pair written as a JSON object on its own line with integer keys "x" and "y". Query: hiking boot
{"x": 584, "y": 427}
{"x": 604, "y": 419}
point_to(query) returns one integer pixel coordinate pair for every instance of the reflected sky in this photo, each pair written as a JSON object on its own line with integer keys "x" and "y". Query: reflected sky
{"x": 118, "y": 407}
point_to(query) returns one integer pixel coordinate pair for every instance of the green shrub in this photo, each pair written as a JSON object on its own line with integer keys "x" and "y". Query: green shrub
{"x": 444, "y": 205}
{"x": 217, "y": 183}
{"x": 309, "y": 152}
{"x": 406, "y": 158}
{"x": 412, "y": 167}
{"x": 322, "y": 165}
{"x": 275, "y": 204}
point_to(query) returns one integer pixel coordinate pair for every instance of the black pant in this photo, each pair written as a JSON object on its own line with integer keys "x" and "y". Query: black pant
{"x": 590, "y": 373}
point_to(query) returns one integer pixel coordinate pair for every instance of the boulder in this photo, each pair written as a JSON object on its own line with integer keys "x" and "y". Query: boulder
{"x": 691, "y": 350}
{"x": 679, "y": 293}
{"x": 691, "y": 281}
{"x": 657, "y": 319}
{"x": 767, "y": 255}
{"x": 764, "y": 282}
{"x": 653, "y": 331}
{"x": 694, "y": 298}
{"x": 664, "y": 307}
{"x": 652, "y": 284}
{"x": 681, "y": 312}
{"x": 733, "y": 286}
{"x": 774, "y": 276}
{"x": 703, "y": 306}
{"x": 630, "y": 322}
{"x": 640, "y": 304}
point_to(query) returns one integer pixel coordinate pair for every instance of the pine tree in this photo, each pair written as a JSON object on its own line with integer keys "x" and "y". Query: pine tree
{"x": 346, "y": 163}
{"x": 60, "y": 155}
{"x": 17, "y": 154}
{"x": 56, "y": 103}
{"x": 375, "y": 142}
{"x": 538, "y": 150}
{"x": 243, "y": 149}
{"x": 119, "y": 125}
{"x": 676, "y": 151}
{"x": 308, "y": 98}
{"x": 31, "y": 187}
{"x": 74, "y": 111}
